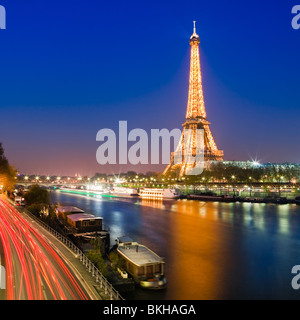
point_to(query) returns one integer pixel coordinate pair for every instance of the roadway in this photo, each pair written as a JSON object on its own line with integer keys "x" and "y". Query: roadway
{"x": 35, "y": 269}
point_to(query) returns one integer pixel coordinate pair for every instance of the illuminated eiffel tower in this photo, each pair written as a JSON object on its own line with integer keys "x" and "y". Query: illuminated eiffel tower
{"x": 195, "y": 117}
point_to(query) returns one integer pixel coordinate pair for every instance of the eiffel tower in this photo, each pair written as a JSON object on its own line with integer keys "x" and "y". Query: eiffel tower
{"x": 195, "y": 118}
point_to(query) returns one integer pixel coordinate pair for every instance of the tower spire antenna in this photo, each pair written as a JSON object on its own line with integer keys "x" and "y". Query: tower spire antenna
{"x": 194, "y": 26}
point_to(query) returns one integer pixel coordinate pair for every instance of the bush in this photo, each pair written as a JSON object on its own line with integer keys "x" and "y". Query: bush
{"x": 98, "y": 261}
{"x": 37, "y": 209}
{"x": 116, "y": 260}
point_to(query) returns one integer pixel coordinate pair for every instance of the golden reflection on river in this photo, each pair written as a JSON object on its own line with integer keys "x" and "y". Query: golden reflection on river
{"x": 195, "y": 245}
{"x": 211, "y": 247}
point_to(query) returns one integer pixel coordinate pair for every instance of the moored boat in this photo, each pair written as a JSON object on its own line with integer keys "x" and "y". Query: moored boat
{"x": 124, "y": 192}
{"x": 156, "y": 193}
{"x": 205, "y": 197}
{"x": 83, "y": 228}
{"x": 144, "y": 265}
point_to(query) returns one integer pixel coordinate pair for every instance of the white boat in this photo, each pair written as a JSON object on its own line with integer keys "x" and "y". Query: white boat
{"x": 145, "y": 266}
{"x": 159, "y": 193}
{"x": 124, "y": 192}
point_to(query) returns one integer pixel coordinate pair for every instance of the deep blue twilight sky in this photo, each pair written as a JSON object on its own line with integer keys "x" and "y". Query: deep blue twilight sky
{"x": 71, "y": 68}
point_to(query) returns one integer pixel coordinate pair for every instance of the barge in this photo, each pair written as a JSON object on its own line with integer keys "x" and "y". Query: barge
{"x": 86, "y": 230}
{"x": 145, "y": 266}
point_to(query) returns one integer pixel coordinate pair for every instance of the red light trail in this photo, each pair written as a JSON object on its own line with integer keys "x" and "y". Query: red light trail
{"x": 34, "y": 270}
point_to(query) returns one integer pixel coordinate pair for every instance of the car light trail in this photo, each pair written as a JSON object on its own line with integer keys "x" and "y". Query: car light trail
{"x": 35, "y": 271}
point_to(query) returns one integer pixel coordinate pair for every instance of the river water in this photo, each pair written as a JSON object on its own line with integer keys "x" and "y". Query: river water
{"x": 212, "y": 250}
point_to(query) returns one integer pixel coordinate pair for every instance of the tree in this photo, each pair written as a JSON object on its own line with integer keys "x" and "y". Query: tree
{"x": 7, "y": 172}
{"x": 99, "y": 177}
{"x": 37, "y": 195}
{"x": 38, "y": 200}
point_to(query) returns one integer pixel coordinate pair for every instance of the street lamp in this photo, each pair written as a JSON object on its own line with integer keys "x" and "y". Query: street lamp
{"x": 233, "y": 177}
{"x": 250, "y": 179}
{"x": 281, "y": 178}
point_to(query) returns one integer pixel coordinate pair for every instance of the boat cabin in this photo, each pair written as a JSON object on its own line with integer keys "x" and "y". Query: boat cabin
{"x": 85, "y": 222}
{"x": 64, "y": 211}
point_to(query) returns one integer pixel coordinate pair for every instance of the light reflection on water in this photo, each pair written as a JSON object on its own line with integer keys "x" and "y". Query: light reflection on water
{"x": 212, "y": 250}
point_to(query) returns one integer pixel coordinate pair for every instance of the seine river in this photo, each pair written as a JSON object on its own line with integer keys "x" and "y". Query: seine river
{"x": 212, "y": 250}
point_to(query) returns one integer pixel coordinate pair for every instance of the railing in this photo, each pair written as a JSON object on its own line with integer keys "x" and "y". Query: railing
{"x": 95, "y": 272}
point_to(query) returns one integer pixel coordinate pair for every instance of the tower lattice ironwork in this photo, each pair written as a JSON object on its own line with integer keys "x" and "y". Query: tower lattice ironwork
{"x": 195, "y": 117}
